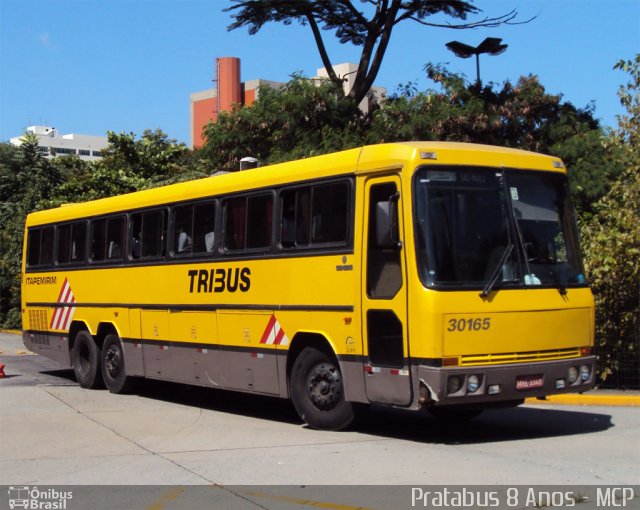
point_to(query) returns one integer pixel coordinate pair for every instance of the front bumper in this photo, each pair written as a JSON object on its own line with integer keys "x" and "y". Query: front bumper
{"x": 503, "y": 383}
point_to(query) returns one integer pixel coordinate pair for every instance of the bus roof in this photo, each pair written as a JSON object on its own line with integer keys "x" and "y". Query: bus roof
{"x": 367, "y": 159}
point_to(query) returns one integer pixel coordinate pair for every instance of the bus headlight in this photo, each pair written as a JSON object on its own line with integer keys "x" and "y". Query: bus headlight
{"x": 573, "y": 375}
{"x": 473, "y": 383}
{"x": 453, "y": 384}
{"x": 585, "y": 373}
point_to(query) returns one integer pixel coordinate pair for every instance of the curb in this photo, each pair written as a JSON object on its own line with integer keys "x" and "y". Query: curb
{"x": 588, "y": 400}
{"x": 11, "y": 331}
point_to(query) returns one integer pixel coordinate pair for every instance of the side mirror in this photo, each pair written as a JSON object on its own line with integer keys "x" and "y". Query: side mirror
{"x": 387, "y": 223}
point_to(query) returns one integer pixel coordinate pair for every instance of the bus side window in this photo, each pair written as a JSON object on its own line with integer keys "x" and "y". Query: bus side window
{"x": 235, "y": 223}
{"x": 330, "y": 212}
{"x": 295, "y": 210}
{"x": 148, "y": 234}
{"x": 115, "y": 238}
{"x": 135, "y": 232}
{"x": 78, "y": 241}
{"x": 46, "y": 246}
{"x": 33, "y": 247}
{"x": 98, "y": 239}
{"x": 71, "y": 242}
{"x": 64, "y": 242}
{"x": 259, "y": 221}
{"x": 40, "y": 246}
{"x": 183, "y": 230}
{"x": 204, "y": 224}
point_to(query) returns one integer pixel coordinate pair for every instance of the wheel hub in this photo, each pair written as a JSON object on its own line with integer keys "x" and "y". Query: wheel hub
{"x": 324, "y": 386}
{"x": 113, "y": 360}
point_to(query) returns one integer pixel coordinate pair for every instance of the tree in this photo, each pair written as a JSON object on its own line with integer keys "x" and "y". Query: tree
{"x": 369, "y": 28}
{"x": 27, "y": 180}
{"x": 611, "y": 243}
{"x": 30, "y": 182}
{"x": 521, "y": 115}
{"x": 154, "y": 157}
{"x": 301, "y": 119}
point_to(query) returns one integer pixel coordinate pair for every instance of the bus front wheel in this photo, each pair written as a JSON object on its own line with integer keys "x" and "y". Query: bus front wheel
{"x": 317, "y": 391}
{"x": 85, "y": 359}
{"x": 113, "y": 365}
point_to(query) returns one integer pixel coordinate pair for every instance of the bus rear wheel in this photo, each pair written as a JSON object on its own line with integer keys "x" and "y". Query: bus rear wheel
{"x": 85, "y": 360}
{"x": 317, "y": 391}
{"x": 113, "y": 365}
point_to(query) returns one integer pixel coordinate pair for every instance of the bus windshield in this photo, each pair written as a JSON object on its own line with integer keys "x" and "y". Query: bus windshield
{"x": 478, "y": 226}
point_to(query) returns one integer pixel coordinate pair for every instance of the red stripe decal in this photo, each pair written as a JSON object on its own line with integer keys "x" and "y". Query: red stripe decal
{"x": 267, "y": 331}
{"x": 279, "y": 337}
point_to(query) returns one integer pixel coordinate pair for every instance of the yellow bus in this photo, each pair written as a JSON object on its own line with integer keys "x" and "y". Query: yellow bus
{"x": 442, "y": 276}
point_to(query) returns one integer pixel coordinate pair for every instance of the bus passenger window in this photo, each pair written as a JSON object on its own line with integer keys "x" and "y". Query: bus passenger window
{"x": 294, "y": 225}
{"x": 33, "y": 247}
{"x": 259, "y": 221}
{"x": 183, "y": 229}
{"x": 64, "y": 242}
{"x": 148, "y": 234}
{"x": 204, "y": 224}
{"x": 235, "y": 223}
{"x": 330, "y": 212}
{"x": 115, "y": 238}
{"x": 78, "y": 241}
{"x": 40, "y": 247}
{"x": 98, "y": 237}
{"x": 46, "y": 247}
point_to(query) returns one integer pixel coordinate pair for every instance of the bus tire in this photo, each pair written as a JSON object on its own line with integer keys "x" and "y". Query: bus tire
{"x": 85, "y": 360}
{"x": 317, "y": 391}
{"x": 113, "y": 365}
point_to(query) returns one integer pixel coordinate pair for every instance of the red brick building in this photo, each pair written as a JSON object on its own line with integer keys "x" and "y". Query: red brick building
{"x": 206, "y": 104}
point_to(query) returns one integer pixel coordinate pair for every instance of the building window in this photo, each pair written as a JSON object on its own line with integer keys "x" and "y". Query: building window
{"x": 96, "y": 154}
{"x": 84, "y": 152}
{"x": 62, "y": 150}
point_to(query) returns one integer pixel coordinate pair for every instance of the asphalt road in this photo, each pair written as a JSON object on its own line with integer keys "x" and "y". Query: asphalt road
{"x": 54, "y": 432}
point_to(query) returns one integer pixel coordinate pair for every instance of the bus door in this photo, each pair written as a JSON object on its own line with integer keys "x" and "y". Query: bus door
{"x": 384, "y": 299}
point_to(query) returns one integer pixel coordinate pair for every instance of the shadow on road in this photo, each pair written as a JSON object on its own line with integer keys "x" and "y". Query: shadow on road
{"x": 527, "y": 422}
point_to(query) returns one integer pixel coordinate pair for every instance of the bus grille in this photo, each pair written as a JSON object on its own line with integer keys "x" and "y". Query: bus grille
{"x": 38, "y": 320}
{"x": 518, "y": 357}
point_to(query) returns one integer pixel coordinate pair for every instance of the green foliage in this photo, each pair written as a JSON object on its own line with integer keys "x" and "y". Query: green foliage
{"x": 611, "y": 243}
{"x": 522, "y": 116}
{"x": 366, "y": 25}
{"x": 301, "y": 119}
{"x": 29, "y": 182}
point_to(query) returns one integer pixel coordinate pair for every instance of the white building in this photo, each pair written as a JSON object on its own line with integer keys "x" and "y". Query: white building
{"x": 347, "y": 72}
{"x": 87, "y": 147}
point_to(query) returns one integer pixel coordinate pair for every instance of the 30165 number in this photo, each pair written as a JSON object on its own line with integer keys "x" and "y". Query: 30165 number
{"x": 477, "y": 324}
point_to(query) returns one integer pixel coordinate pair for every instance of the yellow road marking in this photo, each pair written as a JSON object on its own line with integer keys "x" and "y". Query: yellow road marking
{"x": 169, "y": 496}
{"x": 305, "y": 502}
{"x": 589, "y": 400}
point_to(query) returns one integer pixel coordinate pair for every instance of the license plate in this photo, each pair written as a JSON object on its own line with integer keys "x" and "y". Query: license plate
{"x": 527, "y": 382}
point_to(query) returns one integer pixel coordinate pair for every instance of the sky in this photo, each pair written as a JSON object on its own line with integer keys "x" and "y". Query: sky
{"x": 89, "y": 66}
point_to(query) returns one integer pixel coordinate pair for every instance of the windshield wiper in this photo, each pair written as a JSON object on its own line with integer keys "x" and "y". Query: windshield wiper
{"x": 560, "y": 284}
{"x": 496, "y": 272}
